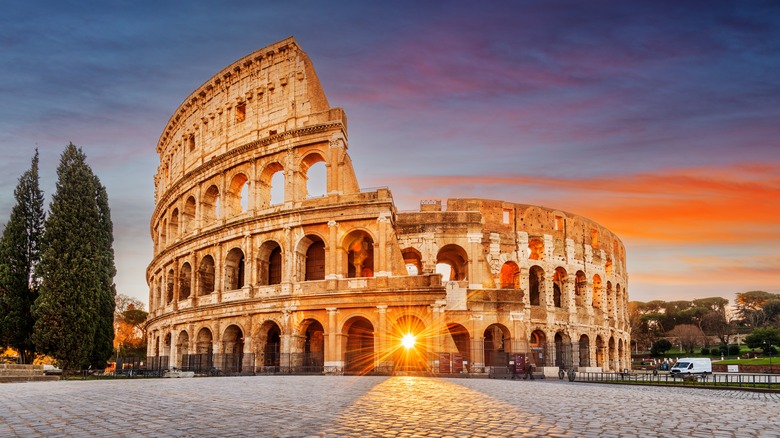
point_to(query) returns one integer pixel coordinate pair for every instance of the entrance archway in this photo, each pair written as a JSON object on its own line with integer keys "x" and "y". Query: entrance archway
{"x": 182, "y": 347}
{"x": 313, "y": 346}
{"x": 358, "y": 346}
{"x": 584, "y": 351}
{"x": 459, "y": 336}
{"x": 563, "y": 358}
{"x": 496, "y": 345}
{"x": 409, "y": 344}
{"x": 271, "y": 340}
{"x": 537, "y": 343}
{"x": 233, "y": 350}
{"x": 203, "y": 360}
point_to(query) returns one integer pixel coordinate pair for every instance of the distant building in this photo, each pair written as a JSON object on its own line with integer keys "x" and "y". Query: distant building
{"x": 243, "y": 282}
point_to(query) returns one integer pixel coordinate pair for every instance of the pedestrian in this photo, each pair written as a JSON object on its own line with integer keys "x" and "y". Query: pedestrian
{"x": 528, "y": 369}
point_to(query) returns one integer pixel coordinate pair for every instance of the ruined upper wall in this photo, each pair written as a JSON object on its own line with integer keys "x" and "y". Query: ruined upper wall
{"x": 267, "y": 93}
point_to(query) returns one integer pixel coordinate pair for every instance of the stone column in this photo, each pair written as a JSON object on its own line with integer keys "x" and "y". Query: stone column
{"x": 474, "y": 253}
{"x": 333, "y": 360}
{"x": 381, "y": 268}
{"x": 331, "y": 260}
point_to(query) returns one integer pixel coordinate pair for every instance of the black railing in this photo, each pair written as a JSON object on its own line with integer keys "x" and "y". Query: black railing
{"x": 758, "y": 381}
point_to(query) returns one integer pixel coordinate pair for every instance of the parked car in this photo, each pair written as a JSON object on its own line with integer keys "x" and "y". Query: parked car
{"x": 51, "y": 370}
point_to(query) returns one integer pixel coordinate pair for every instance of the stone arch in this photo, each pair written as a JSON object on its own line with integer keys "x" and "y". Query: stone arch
{"x": 584, "y": 351}
{"x": 457, "y": 259}
{"x": 598, "y": 298}
{"x": 358, "y": 346}
{"x": 166, "y": 350}
{"x": 206, "y": 276}
{"x": 173, "y": 224}
{"x": 600, "y": 352}
{"x": 620, "y": 355}
{"x": 538, "y": 346}
{"x": 559, "y": 287}
{"x": 510, "y": 276}
{"x": 183, "y": 350}
{"x": 270, "y": 342}
{"x": 359, "y": 246}
{"x": 269, "y": 266}
{"x": 563, "y": 350}
{"x": 611, "y": 353}
{"x": 312, "y": 159}
{"x": 203, "y": 359}
{"x": 412, "y": 261}
{"x": 210, "y": 205}
{"x": 169, "y": 286}
{"x": 497, "y": 344}
{"x": 580, "y": 289}
{"x": 232, "y": 349}
{"x": 234, "y": 269}
{"x": 310, "y": 254}
{"x": 235, "y": 198}
{"x": 266, "y": 179}
{"x": 164, "y": 233}
{"x": 536, "y": 292}
{"x": 188, "y": 215}
{"x": 185, "y": 281}
{"x": 536, "y": 248}
{"x": 619, "y": 301}
{"x": 313, "y": 348}
{"x": 411, "y": 359}
{"x": 459, "y": 341}
{"x": 608, "y": 266}
{"x": 610, "y": 298}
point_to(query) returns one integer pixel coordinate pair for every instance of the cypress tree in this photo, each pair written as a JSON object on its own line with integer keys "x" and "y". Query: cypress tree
{"x": 106, "y": 302}
{"x": 19, "y": 256}
{"x": 74, "y": 268}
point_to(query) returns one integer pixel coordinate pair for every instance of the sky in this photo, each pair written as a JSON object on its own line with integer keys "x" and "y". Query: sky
{"x": 659, "y": 119}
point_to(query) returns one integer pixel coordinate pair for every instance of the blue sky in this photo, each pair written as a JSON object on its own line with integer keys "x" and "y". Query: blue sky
{"x": 657, "y": 119}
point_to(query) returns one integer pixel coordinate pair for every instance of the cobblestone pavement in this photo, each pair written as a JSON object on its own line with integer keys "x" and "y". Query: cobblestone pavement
{"x": 377, "y": 406}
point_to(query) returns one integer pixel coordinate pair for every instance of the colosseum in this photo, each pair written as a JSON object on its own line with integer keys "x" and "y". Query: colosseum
{"x": 254, "y": 272}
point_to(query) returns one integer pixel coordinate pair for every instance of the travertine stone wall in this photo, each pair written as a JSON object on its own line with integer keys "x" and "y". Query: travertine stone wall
{"x": 335, "y": 280}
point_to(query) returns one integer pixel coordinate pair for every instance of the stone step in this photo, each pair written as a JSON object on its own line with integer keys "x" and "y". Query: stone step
{"x": 14, "y": 379}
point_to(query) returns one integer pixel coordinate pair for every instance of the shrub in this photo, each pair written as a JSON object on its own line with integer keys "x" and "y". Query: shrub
{"x": 705, "y": 351}
{"x": 733, "y": 350}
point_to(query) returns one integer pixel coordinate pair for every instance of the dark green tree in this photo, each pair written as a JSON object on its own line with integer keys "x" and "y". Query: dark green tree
{"x": 660, "y": 347}
{"x": 76, "y": 269}
{"x": 19, "y": 256}
{"x": 763, "y": 338}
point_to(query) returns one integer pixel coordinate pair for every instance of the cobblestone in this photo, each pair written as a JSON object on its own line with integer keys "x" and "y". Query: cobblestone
{"x": 304, "y": 406}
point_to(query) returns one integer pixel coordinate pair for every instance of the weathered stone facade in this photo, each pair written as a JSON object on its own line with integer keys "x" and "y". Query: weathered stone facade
{"x": 242, "y": 281}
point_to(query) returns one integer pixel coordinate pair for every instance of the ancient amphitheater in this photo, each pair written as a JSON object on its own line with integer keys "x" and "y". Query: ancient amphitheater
{"x": 253, "y": 274}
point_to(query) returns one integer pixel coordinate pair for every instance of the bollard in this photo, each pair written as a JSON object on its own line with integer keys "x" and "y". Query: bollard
{"x": 572, "y": 375}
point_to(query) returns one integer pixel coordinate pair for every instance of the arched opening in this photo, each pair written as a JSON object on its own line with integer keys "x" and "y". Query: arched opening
{"x": 188, "y": 216}
{"x": 360, "y": 254}
{"x": 169, "y": 287}
{"x": 620, "y": 355}
{"x": 166, "y": 353}
{"x": 359, "y": 346}
{"x": 277, "y": 188}
{"x": 270, "y": 263}
{"x": 536, "y": 286}
{"x": 233, "y": 350}
{"x": 536, "y": 249}
{"x": 271, "y": 341}
{"x": 619, "y": 308}
{"x": 237, "y": 200}
{"x": 600, "y": 347}
{"x": 454, "y": 257}
{"x": 559, "y": 285}
{"x": 313, "y": 347}
{"x": 459, "y": 344}
{"x": 234, "y": 269}
{"x": 580, "y": 289}
{"x": 314, "y": 172}
{"x": 202, "y": 360}
{"x": 185, "y": 281}
{"x": 597, "y": 292}
{"x": 409, "y": 345}
{"x": 311, "y": 252}
{"x": 563, "y": 356}
{"x": 608, "y": 267}
{"x": 610, "y": 298}
{"x": 183, "y": 349}
{"x": 496, "y": 345}
{"x": 510, "y": 276}
{"x": 412, "y": 261}
{"x": 271, "y": 185}
{"x": 611, "y": 357}
{"x": 173, "y": 225}
{"x": 206, "y": 276}
{"x": 164, "y": 233}
{"x": 584, "y": 351}
{"x": 537, "y": 344}
{"x": 210, "y": 205}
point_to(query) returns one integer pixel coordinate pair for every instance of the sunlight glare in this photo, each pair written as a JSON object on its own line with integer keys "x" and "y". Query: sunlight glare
{"x": 408, "y": 341}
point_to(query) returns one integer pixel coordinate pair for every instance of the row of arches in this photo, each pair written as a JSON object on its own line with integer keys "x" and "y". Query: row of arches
{"x": 359, "y": 346}
{"x": 215, "y": 201}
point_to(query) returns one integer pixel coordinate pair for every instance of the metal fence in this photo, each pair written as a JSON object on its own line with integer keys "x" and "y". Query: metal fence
{"x": 758, "y": 381}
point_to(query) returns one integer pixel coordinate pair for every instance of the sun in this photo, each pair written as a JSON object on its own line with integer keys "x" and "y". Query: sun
{"x": 408, "y": 341}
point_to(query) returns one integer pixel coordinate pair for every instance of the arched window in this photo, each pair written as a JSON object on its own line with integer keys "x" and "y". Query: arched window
{"x": 559, "y": 285}
{"x": 234, "y": 269}
{"x": 210, "y": 205}
{"x": 412, "y": 261}
{"x": 453, "y": 257}
{"x": 270, "y": 263}
{"x": 535, "y": 285}
{"x": 510, "y": 276}
{"x": 536, "y": 249}
{"x": 185, "y": 281}
{"x": 206, "y": 276}
{"x": 360, "y": 254}
{"x": 597, "y": 292}
{"x": 173, "y": 225}
{"x": 237, "y": 199}
{"x": 188, "y": 215}
{"x": 170, "y": 284}
{"x": 580, "y": 289}
{"x": 314, "y": 172}
{"x": 311, "y": 250}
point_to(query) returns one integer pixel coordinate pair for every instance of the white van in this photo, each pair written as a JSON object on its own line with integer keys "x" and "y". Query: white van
{"x": 692, "y": 365}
